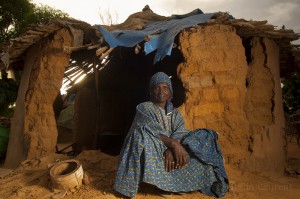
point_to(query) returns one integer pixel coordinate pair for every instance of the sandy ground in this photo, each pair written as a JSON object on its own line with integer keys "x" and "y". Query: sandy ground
{"x": 32, "y": 180}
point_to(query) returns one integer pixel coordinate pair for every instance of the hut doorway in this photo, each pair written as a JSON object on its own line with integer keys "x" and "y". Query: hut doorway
{"x": 105, "y": 103}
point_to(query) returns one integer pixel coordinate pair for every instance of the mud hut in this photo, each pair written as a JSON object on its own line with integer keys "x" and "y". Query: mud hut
{"x": 225, "y": 71}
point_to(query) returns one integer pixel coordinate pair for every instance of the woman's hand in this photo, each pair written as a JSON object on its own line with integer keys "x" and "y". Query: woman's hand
{"x": 169, "y": 161}
{"x": 175, "y": 152}
{"x": 180, "y": 154}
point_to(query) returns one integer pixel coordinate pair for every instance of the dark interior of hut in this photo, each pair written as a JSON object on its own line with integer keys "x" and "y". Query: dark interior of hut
{"x": 102, "y": 119}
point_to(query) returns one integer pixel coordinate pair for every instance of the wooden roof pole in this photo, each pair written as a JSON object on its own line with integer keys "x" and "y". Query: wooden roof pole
{"x": 96, "y": 133}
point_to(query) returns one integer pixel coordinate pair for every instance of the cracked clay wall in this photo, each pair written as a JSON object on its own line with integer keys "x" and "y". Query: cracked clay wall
{"x": 264, "y": 108}
{"x": 33, "y": 128}
{"x": 240, "y": 101}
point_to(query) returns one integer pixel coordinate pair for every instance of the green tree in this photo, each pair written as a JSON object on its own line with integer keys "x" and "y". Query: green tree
{"x": 8, "y": 94}
{"x": 12, "y": 14}
{"x": 17, "y": 15}
{"x": 291, "y": 92}
{"x": 40, "y": 15}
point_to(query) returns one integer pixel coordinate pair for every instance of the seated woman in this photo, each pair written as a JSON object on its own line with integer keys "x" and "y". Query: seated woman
{"x": 158, "y": 150}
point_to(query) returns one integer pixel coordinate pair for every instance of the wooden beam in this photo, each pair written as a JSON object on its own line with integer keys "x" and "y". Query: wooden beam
{"x": 93, "y": 47}
{"x": 106, "y": 53}
{"x": 101, "y": 50}
{"x": 70, "y": 49}
{"x": 96, "y": 133}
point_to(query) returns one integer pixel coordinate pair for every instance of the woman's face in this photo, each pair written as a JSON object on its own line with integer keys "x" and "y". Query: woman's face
{"x": 160, "y": 93}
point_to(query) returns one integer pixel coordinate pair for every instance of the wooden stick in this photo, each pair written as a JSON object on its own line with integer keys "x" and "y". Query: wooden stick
{"x": 105, "y": 54}
{"x": 35, "y": 32}
{"x": 94, "y": 46}
{"x": 101, "y": 50}
{"x": 69, "y": 49}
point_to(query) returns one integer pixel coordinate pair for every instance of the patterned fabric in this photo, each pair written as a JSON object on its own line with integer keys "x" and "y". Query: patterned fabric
{"x": 142, "y": 160}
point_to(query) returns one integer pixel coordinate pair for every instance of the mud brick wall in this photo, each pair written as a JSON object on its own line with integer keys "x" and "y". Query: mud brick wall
{"x": 238, "y": 99}
{"x": 33, "y": 130}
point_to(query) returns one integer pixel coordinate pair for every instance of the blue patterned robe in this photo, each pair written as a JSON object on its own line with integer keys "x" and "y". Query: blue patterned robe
{"x": 142, "y": 159}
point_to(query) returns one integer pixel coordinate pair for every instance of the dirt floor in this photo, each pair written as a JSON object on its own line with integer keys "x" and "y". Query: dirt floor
{"x": 32, "y": 180}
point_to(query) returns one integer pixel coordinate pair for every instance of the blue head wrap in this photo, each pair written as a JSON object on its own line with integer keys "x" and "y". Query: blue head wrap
{"x": 161, "y": 77}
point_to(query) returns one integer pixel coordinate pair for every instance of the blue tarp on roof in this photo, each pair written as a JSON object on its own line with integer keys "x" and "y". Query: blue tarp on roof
{"x": 161, "y": 42}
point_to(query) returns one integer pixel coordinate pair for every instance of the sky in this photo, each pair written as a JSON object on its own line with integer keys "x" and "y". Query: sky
{"x": 276, "y": 12}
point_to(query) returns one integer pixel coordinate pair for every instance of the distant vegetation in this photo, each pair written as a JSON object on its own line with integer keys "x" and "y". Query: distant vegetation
{"x": 291, "y": 93}
{"x": 15, "y": 17}
{"x": 108, "y": 17}
{"x": 8, "y": 95}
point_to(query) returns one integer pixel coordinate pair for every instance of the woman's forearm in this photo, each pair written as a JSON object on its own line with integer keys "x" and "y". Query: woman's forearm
{"x": 179, "y": 154}
{"x": 169, "y": 142}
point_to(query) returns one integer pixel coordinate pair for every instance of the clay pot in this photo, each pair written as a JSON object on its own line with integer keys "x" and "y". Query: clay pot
{"x": 66, "y": 174}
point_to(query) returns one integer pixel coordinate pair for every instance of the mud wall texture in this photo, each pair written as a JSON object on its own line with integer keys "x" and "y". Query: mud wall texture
{"x": 264, "y": 108}
{"x": 34, "y": 131}
{"x": 240, "y": 101}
